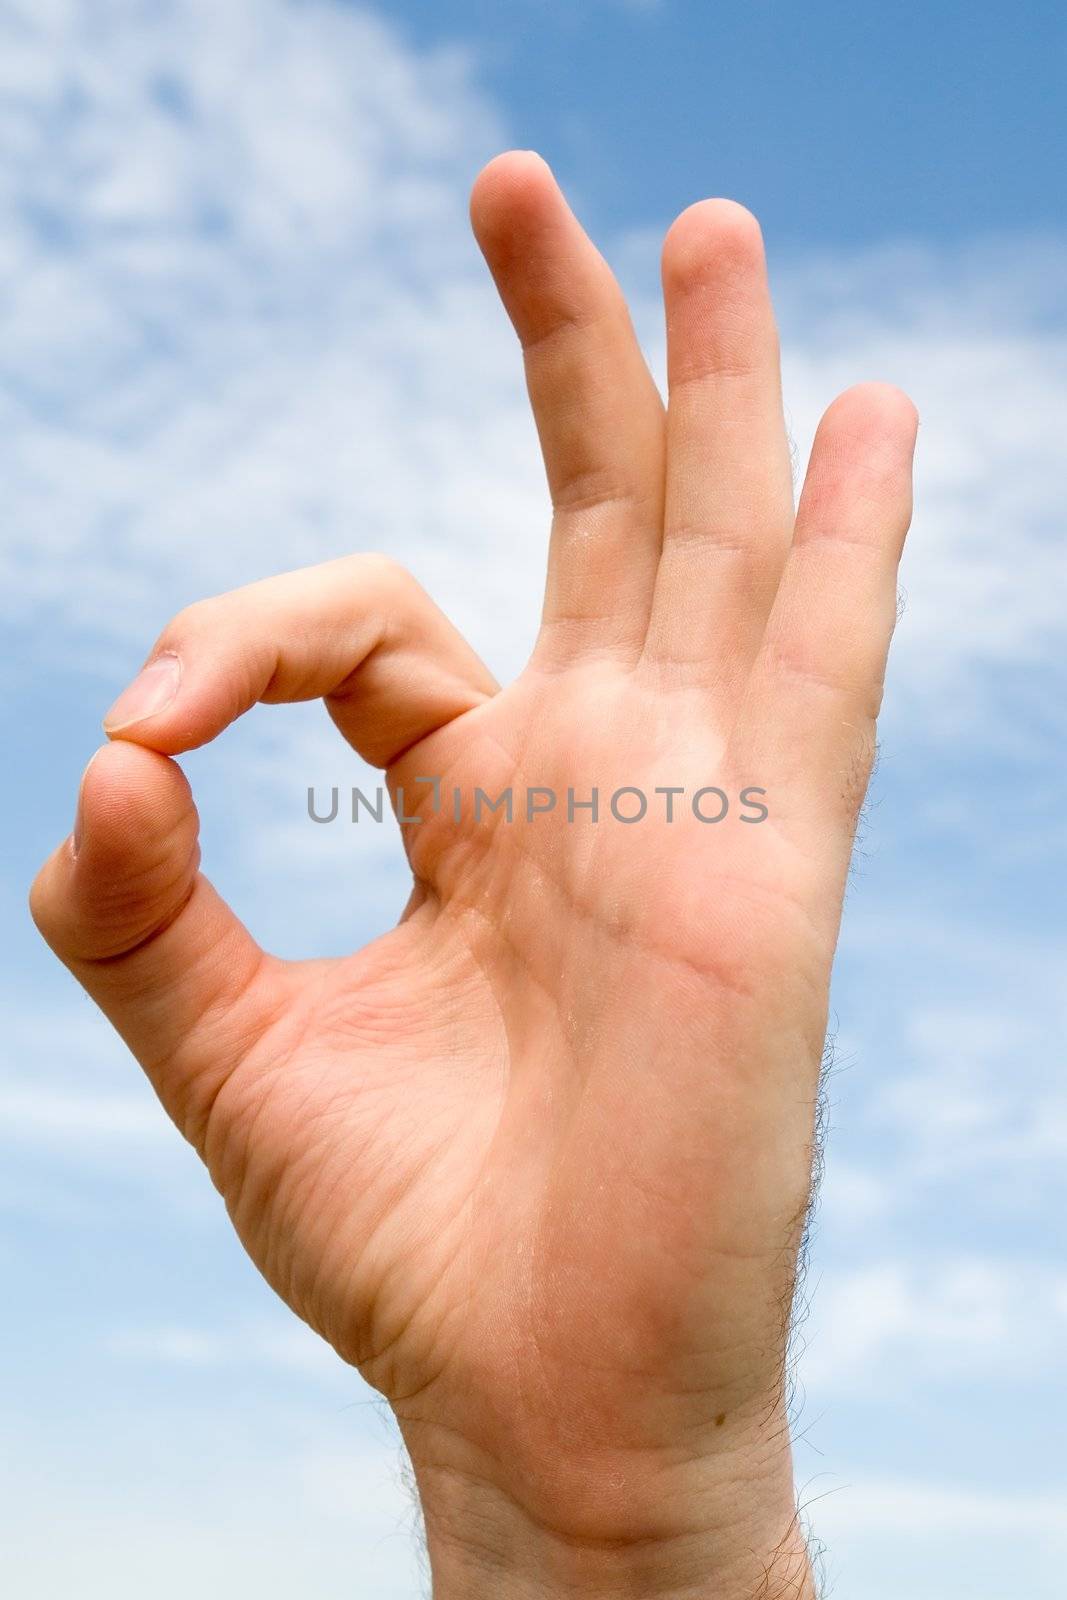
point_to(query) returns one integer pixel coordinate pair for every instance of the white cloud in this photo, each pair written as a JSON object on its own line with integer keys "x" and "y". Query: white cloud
{"x": 316, "y": 1518}
{"x": 243, "y": 324}
{"x": 911, "y": 1509}
{"x": 56, "y": 1115}
{"x": 242, "y": 327}
{"x": 852, "y": 1197}
{"x": 224, "y": 352}
{"x": 946, "y": 1321}
{"x": 937, "y": 1540}
{"x": 986, "y": 560}
{"x": 68, "y": 1084}
{"x": 963, "y": 1083}
{"x": 961, "y": 1110}
{"x": 978, "y": 336}
{"x": 281, "y": 1343}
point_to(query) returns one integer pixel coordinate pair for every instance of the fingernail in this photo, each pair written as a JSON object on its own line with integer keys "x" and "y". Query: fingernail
{"x": 79, "y": 820}
{"x": 151, "y": 692}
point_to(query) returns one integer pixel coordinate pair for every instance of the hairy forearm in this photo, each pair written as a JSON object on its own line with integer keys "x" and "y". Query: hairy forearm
{"x": 493, "y": 1558}
{"x": 713, "y": 1529}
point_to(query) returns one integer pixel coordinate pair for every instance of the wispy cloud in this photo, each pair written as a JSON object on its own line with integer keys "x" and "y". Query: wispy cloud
{"x": 282, "y": 1344}
{"x": 978, "y": 336}
{"x": 228, "y": 348}
{"x": 915, "y": 1508}
{"x": 934, "y": 1538}
{"x": 946, "y": 1321}
{"x": 243, "y": 327}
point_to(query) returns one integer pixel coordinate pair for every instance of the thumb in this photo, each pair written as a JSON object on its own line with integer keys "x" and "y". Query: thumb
{"x": 123, "y": 904}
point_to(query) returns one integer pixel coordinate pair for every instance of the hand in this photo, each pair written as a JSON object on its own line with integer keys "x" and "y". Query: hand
{"x": 537, "y": 1161}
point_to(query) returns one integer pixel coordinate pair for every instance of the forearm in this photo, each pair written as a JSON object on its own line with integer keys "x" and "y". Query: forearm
{"x": 719, "y": 1528}
{"x": 538, "y": 1569}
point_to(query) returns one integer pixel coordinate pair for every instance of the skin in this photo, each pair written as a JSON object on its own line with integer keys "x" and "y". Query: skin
{"x": 537, "y": 1161}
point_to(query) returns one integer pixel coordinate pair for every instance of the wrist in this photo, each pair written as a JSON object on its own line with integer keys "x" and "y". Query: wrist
{"x": 721, "y": 1527}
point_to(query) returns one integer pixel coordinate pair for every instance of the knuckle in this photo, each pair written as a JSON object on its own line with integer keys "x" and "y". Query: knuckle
{"x": 386, "y": 577}
{"x": 186, "y": 624}
{"x": 383, "y": 568}
{"x": 858, "y": 773}
{"x": 40, "y": 904}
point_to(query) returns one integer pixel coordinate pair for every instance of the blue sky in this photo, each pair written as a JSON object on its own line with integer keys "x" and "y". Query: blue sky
{"x": 835, "y": 121}
{"x": 242, "y": 327}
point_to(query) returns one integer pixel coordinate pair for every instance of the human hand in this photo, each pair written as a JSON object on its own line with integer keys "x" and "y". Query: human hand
{"x": 537, "y": 1161}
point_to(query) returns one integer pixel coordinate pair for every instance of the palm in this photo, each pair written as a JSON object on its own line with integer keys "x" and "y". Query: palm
{"x": 483, "y": 1120}
{"x": 537, "y": 1160}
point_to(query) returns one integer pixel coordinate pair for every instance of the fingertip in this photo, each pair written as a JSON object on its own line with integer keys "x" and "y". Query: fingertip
{"x": 511, "y": 164}
{"x": 130, "y": 861}
{"x": 52, "y": 884}
{"x": 711, "y": 238}
{"x": 176, "y": 703}
{"x": 150, "y": 694}
{"x": 130, "y": 799}
{"x": 510, "y": 174}
{"x": 874, "y": 410}
{"x": 859, "y": 480}
{"x": 145, "y": 934}
{"x": 79, "y": 807}
{"x": 513, "y": 196}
